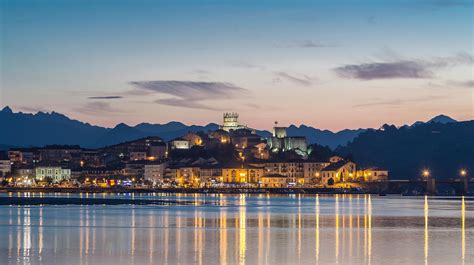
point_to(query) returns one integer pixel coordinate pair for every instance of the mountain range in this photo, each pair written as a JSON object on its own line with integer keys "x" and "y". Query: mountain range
{"x": 42, "y": 128}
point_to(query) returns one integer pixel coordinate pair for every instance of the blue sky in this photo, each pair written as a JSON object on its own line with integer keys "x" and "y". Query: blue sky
{"x": 329, "y": 64}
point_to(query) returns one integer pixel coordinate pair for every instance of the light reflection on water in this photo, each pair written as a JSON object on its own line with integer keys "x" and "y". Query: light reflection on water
{"x": 242, "y": 229}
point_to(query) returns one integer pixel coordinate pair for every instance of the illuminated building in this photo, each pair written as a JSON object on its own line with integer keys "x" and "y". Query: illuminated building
{"x": 342, "y": 171}
{"x": 5, "y": 166}
{"x": 372, "y": 174}
{"x": 241, "y": 174}
{"x": 179, "y": 143}
{"x": 55, "y": 173}
{"x": 281, "y": 142}
{"x": 231, "y": 122}
{"x": 312, "y": 172}
{"x": 154, "y": 172}
{"x": 274, "y": 181}
{"x": 193, "y": 138}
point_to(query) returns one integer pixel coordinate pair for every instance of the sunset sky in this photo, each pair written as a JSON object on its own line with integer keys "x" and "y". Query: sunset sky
{"x": 327, "y": 64}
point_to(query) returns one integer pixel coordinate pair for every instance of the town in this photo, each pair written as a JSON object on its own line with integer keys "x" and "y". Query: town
{"x": 234, "y": 156}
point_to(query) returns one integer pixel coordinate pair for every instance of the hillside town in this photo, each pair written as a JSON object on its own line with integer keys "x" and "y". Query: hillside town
{"x": 232, "y": 156}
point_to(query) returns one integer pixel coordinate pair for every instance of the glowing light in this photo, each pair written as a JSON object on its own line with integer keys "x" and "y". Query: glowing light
{"x": 463, "y": 172}
{"x": 426, "y": 173}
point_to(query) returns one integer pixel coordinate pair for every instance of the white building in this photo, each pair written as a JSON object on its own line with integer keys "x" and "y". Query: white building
{"x": 5, "y": 167}
{"x": 231, "y": 122}
{"x": 179, "y": 143}
{"x": 56, "y": 173}
{"x": 154, "y": 172}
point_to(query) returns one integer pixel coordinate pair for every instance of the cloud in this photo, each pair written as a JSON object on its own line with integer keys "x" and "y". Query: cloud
{"x": 98, "y": 107}
{"x": 241, "y": 64}
{"x": 398, "y": 102}
{"x": 466, "y": 84}
{"x": 304, "y": 80}
{"x": 402, "y": 68}
{"x": 106, "y": 97}
{"x": 189, "y": 94}
{"x": 313, "y": 44}
{"x": 32, "y": 109}
{"x": 369, "y": 71}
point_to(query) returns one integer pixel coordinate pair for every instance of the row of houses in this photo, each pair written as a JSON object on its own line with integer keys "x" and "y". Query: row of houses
{"x": 208, "y": 172}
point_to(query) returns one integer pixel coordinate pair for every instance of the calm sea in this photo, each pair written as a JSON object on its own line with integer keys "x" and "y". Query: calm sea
{"x": 242, "y": 229}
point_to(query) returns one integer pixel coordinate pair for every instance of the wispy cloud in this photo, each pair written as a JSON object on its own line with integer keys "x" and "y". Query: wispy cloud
{"x": 98, "y": 107}
{"x": 398, "y": 101}
{"x": 242, "y": 64}
{"x": 368, "y": 71}
{"x": 465, "y": 84}
{"x": 190, "y": 94}
{"x": 106, "y": 97}
{"x": 303, "y": 80}
{"x": 402, "y": 68}
{"x": 32, "y": 109}
{"x": 313, "y": 44}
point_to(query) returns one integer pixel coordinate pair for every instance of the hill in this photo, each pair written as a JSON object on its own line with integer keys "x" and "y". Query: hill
{"x": 443, "y": 148}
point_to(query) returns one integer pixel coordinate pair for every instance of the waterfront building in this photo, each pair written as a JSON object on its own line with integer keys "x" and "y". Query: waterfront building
{"x": 238, "y": 173}
{"x": 180, "y": 143}
{"x": 312, "y": 172}
{"x": 292, "y": 170}
{"x": 154, "y": 172}
{"x": 372, "y": 174}
{"x": 188, "y": 177}
{"x": 342, "y": 171}
{"x": 24, "y": 171}
{"x": 210, "y": 174}
{"x": 55, "y": 173}
{"x": 274, "y": 181}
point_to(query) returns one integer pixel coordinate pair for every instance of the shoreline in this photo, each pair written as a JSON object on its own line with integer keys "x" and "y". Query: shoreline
{"x": 189, "y": 190}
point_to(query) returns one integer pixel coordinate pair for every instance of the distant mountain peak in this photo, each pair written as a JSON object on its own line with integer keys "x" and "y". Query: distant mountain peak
{"x": 122, "y": 126}
{"x": 442, "y": 119}
{"x": 7, "y": 109}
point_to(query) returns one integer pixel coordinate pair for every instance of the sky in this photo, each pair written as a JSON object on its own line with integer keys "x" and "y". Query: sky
{"x": 328, "y": 64}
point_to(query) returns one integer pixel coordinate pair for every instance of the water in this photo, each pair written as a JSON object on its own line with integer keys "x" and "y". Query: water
{"x": 242, "y": 229}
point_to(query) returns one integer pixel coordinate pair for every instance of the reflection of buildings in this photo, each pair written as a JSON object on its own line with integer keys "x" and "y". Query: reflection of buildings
{"x": 280, "y": 141}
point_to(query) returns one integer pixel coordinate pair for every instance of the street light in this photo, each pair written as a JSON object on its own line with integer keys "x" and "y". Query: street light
{"x": 426, "y": 173}
{"x": 463, "y": 172}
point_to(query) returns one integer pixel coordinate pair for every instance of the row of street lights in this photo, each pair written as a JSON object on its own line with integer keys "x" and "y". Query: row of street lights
{"x": 426, "y": 173}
